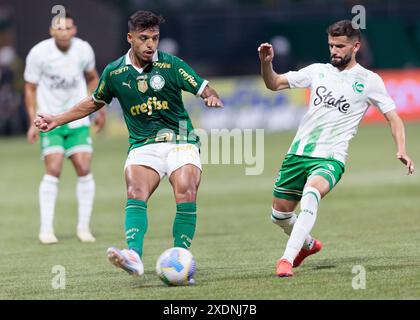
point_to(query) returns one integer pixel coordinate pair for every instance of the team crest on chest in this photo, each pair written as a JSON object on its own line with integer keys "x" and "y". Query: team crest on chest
{"x": 142, "y": 84}
{"x": 157, "y": 82}
{"x": 358, "y": 87}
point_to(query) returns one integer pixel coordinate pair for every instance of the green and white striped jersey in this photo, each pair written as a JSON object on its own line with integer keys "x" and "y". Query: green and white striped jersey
{"x": 338, "y": 102}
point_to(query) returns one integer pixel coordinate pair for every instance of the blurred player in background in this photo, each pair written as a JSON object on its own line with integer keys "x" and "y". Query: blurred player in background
{"x": 341, "y": 92}
{"x": 59, "y": 72}
{"x": 148, "y": 84}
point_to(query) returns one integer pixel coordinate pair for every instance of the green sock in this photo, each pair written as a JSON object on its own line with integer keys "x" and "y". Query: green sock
{"x": 184, "y": 224}
{"x": 135, "y": 224}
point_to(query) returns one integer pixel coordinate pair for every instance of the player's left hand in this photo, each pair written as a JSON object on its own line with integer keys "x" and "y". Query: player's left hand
{"x": 406, "y": 160}
{"x": 100, "y": 119}
{"x": 213, "y": 102}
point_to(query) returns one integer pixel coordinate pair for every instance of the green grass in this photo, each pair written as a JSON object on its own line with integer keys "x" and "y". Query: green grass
{"x": 371, "y": 219}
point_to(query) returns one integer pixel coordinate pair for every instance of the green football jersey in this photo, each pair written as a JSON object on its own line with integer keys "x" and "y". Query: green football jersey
{"x": 151, "y": 98}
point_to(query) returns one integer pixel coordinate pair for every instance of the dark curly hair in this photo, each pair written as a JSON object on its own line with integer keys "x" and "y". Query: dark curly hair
{"x": 142, "y": 20}
{"x": 343, "y": 28}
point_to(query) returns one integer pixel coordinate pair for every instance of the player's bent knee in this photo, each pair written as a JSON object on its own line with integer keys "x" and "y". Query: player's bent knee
{"x": 82, "y": 169}
{"x": 83, "y": 172}
{"x": 186, "y": 195}
{"x": 283, "y": 219}
{"x": 284, "y": 205}
{"x": 55, "y": 172}
{"x": 136, "y": 192}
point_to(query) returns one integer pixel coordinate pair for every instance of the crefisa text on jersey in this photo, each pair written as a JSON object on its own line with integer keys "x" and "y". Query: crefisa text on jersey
{"x": 237, "y": 310}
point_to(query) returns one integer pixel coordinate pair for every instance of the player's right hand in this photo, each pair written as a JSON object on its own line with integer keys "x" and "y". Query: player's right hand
{"x": 266, "y": 52}
{"x": 406, "y": 160}
{"x": 33, "y": 134}
{"x": 45, "y": 122}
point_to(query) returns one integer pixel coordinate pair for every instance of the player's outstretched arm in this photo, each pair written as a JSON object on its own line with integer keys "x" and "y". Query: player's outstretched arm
{"x": 273, "y": 80}
{"x": 47, "y": 122}
{"x": 211, "y": 98}
{"x": 398, "y": 133}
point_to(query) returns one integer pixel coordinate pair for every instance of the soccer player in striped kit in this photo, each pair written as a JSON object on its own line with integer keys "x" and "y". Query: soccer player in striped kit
{"x": 341, "y": 92}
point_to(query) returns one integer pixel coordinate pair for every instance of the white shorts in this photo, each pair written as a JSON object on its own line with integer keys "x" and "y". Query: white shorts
{"x": 164, "y": 157}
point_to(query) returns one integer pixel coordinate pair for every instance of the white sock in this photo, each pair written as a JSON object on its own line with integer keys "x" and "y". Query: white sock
{"x": 85, "y": 191}
{"x": 48, "y": 190}
{"x": 304, "y": 223}
{"x": 286, "y": 221}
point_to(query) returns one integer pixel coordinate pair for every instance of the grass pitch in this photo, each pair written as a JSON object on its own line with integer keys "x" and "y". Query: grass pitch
{"x": 370, "y": 219}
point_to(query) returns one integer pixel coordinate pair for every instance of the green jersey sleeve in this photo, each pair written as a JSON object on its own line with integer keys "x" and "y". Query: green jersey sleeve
{"x": 103, "y": 92}
{"x": 187, "y": 79}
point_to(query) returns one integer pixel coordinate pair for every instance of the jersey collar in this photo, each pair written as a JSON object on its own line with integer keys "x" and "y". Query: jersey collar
{"x": 140, "y": 70}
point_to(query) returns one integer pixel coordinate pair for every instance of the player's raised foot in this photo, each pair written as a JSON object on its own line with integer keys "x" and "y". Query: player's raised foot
{"x": 47, "y": 238}
{"x": 127, "y": 260}
{"x": 85, "y": 235}
{"x": 303, "y": 253}
{"x": 284, "y": 268}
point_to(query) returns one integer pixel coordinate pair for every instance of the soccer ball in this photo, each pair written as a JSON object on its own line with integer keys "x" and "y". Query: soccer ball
{"x": 176, "y": 267}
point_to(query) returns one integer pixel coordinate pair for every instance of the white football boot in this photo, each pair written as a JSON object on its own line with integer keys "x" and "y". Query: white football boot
{"x": 126, "y": 259}
{"x": 47, "y": 237}
{"x": 85, "y": 235}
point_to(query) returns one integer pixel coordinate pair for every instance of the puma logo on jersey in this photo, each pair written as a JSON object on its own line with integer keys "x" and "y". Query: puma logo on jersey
{"x": 127, "y": 84}
{"x": 329, "y": 101}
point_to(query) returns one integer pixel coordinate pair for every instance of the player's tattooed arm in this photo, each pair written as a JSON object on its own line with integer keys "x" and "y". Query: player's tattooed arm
{"x": 398, "y": 133}
{"x": 47, "y": 122}
{"x": 211, "y": 98}
{"x": 273, "y": 80}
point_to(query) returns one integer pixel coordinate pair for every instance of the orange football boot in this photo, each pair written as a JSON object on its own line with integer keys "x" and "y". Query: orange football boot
{"x": 284, "y": 268}
{"x": 303, "y": 253}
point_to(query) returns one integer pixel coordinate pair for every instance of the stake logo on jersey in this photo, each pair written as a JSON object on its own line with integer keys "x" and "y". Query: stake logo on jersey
{"x": 60, "y": 76}
{"x": 60, "y": 83}
{"x": 329, "y": 101}
{"x": 339, "y": 100}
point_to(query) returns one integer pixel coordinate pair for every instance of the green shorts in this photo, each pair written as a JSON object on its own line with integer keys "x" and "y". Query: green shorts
{"x": 66, "y": 140}
{"x": 296, "y": 170}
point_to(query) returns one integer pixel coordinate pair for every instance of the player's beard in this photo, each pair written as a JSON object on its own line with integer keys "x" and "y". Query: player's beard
{"x": 342, "y": 62}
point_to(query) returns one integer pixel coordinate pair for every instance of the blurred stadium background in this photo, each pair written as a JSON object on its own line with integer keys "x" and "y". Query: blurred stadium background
{"x": 219, "y": 39}
{"x": 370, "y": 219}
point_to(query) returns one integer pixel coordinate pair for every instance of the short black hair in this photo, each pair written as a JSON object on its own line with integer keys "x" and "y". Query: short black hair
{"x": 142, "y": 20}
{"x": 344, "y": 28}
{"x": 69, "y": 15}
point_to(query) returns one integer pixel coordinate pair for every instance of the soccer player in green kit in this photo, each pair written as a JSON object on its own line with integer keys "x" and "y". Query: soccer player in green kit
{"x": 148, "y": 84}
